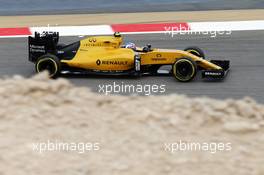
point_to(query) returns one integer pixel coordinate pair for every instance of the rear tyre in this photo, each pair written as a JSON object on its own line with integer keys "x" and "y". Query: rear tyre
{"x": 48, "y": 63}
{"x": 184, "y": 69}
{"x": 195, "y": 51}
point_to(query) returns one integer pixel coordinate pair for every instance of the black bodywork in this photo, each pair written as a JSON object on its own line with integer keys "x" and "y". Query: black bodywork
{"x": 46, "y": 42}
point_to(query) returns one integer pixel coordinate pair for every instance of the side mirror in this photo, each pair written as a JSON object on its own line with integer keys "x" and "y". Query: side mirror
{"x": 149, "y": 46}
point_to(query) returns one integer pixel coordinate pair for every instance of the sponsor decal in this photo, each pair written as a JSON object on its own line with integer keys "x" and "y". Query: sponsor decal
{"x": 98, "y": 62}
{"x": 35, "y": 48}
{"x": 91, "y": 45}
{"x": 100, "y": 45}
{"x": 110, "y": 62}
{"x": 213, "y": 73}
{"x": 60, "y": 52}
{"x": 137, "y": 62}
{"x": 137, "y": 65}
{"x": 92, "y": 40}
{"x": 159, "y": 58}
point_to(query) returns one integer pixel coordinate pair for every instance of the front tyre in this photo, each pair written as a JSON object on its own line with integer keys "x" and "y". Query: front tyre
{"x": 48, "y": 63}
{"x": 184, "y": 69}
{"x": 195, "y": 51}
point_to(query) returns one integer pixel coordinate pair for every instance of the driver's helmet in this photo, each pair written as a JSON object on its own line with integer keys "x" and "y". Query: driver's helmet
{"x": 130, "y": 45}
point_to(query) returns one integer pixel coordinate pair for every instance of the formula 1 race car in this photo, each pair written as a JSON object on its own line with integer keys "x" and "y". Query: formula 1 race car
{"x": 105, "y": 55}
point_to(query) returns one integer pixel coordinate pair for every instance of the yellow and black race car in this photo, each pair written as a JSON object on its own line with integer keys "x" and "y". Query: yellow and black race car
{"x": 106, "y": 55}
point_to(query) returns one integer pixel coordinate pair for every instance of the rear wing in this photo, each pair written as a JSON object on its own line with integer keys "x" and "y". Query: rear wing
{"x": 41, "y": 44}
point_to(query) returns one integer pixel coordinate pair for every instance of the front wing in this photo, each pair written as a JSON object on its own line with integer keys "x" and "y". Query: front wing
{"x": 217, "y": 74}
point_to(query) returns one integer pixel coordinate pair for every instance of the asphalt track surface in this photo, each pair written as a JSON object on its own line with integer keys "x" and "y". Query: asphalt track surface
{"x": 243, "y": 49}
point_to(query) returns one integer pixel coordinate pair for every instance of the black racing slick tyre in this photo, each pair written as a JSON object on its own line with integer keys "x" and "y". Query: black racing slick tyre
{"x": 48, "y": 63}
{"x": 195, "y": 51}
{"x": 184, "y": 69}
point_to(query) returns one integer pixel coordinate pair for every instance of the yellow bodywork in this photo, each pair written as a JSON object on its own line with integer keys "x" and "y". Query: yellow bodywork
{"x": 104, "y": 53}
{"x": 169, "y": 56}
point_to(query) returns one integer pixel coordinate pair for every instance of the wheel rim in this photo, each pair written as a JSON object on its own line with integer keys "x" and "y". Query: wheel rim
{"x": 184, "y": 70}
{"x": 47, "y": 65}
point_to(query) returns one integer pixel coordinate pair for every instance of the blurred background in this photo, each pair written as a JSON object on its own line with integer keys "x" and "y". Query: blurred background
{"x": 33, "y": 7}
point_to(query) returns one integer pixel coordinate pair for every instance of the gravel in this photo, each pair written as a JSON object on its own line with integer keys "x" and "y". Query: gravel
{"x": 130, "y": 135}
